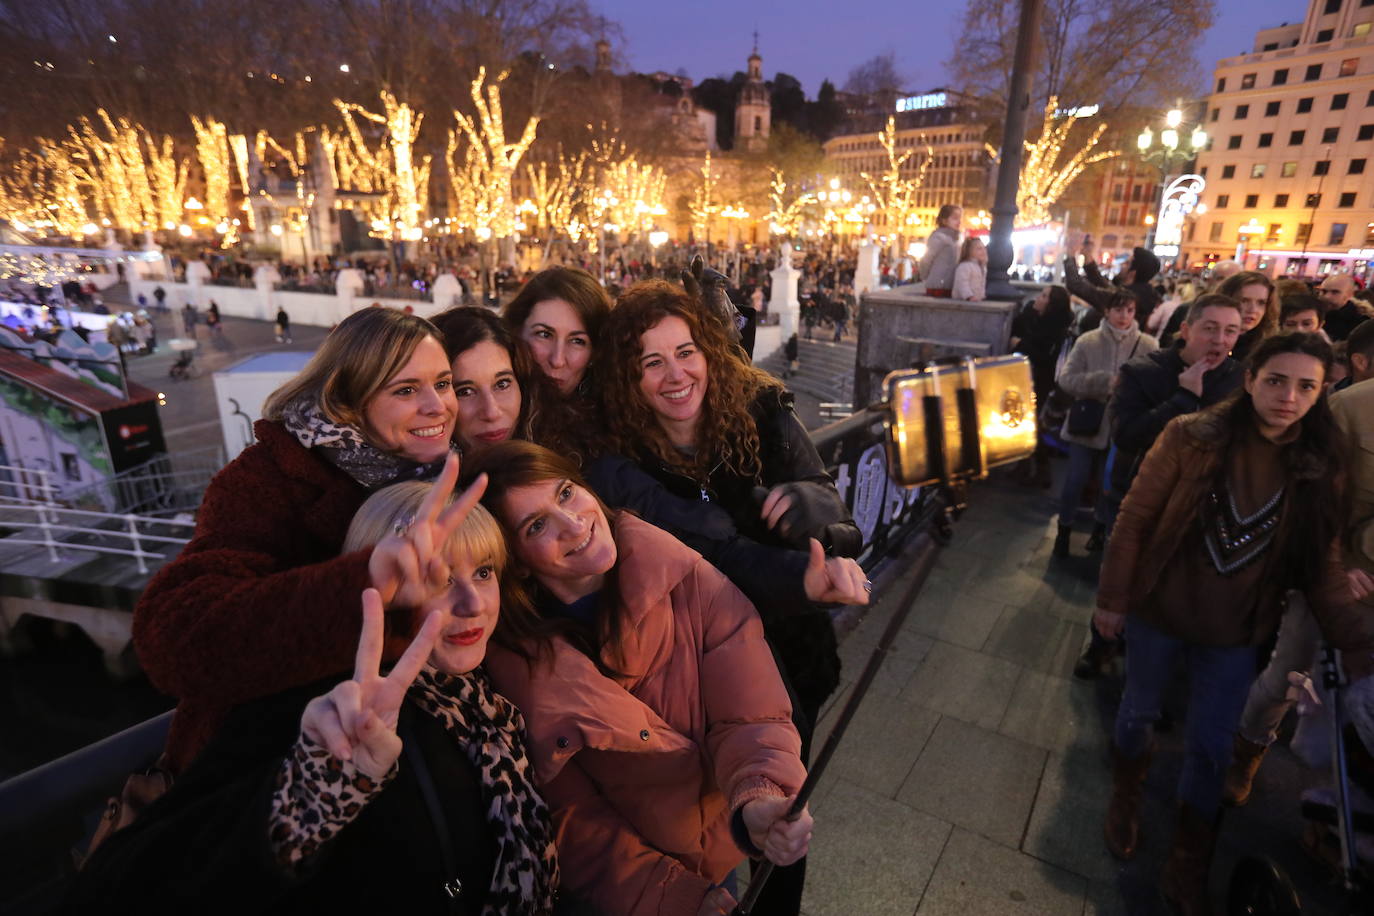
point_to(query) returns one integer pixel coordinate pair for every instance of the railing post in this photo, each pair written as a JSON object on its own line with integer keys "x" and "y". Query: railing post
{"x": 42, "y": 512}
{"x": 132, "y": 521}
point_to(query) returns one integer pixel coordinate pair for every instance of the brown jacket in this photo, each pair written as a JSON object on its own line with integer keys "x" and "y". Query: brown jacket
{"x": 1174, "y": 482}
{"x": 643, "y": 775}
{"x": 1354, "y": 411}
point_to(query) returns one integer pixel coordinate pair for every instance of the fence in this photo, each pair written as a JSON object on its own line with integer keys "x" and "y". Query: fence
{"x": 60, "y": 530}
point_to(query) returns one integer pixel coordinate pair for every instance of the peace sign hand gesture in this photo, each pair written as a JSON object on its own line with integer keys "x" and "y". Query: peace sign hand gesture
{"x": 409, "y": 567}
{"x": 357, "y": 719}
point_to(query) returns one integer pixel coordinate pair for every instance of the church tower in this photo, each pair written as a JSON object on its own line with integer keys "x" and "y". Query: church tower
{"x": 753, "y": 110}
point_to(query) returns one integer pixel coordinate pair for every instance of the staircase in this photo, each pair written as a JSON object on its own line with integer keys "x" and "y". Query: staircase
{"x": 827, "y": 368}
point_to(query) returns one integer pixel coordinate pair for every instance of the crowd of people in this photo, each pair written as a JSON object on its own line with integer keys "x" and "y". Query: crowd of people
{"x": 531, "y": 608}
{"x": 1226, "y": 423}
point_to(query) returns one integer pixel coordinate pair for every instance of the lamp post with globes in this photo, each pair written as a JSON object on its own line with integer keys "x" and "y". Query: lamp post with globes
{"x": 1164, "y": 150}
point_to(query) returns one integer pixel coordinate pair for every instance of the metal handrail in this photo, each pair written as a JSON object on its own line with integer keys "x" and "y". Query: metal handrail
{"x": 48, "y": 522}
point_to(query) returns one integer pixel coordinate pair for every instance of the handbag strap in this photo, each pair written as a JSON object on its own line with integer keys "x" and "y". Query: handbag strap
{"x": 452, "y": 887}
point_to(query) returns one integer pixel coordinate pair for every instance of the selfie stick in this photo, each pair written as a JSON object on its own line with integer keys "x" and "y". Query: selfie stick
{"x": 875, "y": 661}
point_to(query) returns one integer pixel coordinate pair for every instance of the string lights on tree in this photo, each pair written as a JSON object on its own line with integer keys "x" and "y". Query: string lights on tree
{"x": 1048, "y": 168}
{"x": 787, "y": 213}
{"x": 893, "y": 192}
{"x": 490, "y": 161}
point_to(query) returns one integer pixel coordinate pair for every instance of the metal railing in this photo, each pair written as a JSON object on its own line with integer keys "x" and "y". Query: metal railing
{"x": 163, "y": 484}
{"x": 26, "y": 485}
{"x": 55, "y": 526}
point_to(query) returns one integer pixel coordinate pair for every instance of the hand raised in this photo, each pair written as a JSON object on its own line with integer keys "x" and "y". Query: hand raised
{"x": 834, "y": 580}
{"x": 357, "y": 719}
{"x": 410, "y": 567}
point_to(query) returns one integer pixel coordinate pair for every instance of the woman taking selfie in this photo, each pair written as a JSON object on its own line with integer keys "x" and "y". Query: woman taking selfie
{"x": 1233, "y": 506}
{"x": 255, "y": 603}
{"x": 318, "y": 798}
{"x": 659, "y": 727}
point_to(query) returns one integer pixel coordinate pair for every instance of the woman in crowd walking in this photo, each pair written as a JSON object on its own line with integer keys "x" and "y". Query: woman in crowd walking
{"x": 261, "y": 598}
{"x": 971, "y": 276}
{"x": 659, "y": 726}
{"x": 1088, "y": 377}
{"x": 419, "y": 771}
{"x": 1232, "y": 507}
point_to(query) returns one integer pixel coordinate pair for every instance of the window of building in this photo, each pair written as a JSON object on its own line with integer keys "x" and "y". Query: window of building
{"x": 1314, "y": 200}
{"x": 1289, "y": 169}
{"x": 1296, "y": 137}
{"x": 1271, "y": 109}
{"x": 1221, "y": 87}
{"x": 1347, "y": 199}
{"x": 1339, "y": 101}
{"x": 1321, "y": 168}
{"x": 1216, "y": 113}
{"x": 1202, "y": 171}
{"x": 1266, "y": 140}
{"x": 1337, "y": 234}
{"x": 1132, "y": 216}
{"x": 1135, "y": 193}
{"x": 1247, "y": 81}
{"x": 1332, "y": 6}
{"x": 1366, "y": 132}
{"x": 1228, "y": 171}
{"x": 1233, "y": 141}
{"x": 1281, "y": 77}
{"x": 1330, "y": 134}
{"x": 1305, "y": 105}
{"x": 1303, "y": 234}
{"x": 1359, "y": 30}
{"x": 1325, "y": 35}
{"x": 1271, "y": 46}
{"x": 1356, "y": 167}
{"x": 1349, "y": 66}
{"x": 1117, "y": 191}
{"x": 1258, "y": 169}
{"x": 1214, "y": 232}
{"x": 1369, "y": 99}
{"x": 1275, "y": 229}
{"x": 1314, "y": 72}
{"x": 1280, "y": 201}
{"x": 1223, "y": 200}
{"x": 1251, "y": 201}
{"x": 1242, "y": 112}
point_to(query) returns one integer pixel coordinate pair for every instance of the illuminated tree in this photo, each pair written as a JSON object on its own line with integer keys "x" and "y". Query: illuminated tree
{"x": 703, "y": 205}
{"x": 489, "y": 161}
{"x": 785, "y": 217}
{"x": 893, "y": 191}
{"x": 392, "y": 166}
{"x": 1048, "y": 168}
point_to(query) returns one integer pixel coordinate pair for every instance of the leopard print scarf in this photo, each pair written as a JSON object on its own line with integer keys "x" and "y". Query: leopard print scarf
{"x": 492, "y": 732}
{"x": 347, "y": 449}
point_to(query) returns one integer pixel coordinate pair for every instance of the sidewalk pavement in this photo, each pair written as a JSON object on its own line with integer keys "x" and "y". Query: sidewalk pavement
{"x": 974, "y": 779}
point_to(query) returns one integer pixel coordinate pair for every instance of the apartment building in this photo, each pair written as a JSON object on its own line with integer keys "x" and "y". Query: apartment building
{"x": 960, "y": 166}
{"x": 1126, "y": 189}
{"x": 1290, "y": 161}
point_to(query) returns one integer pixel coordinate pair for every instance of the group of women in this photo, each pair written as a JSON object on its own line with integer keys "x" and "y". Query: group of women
{"x": 584, "y": 684}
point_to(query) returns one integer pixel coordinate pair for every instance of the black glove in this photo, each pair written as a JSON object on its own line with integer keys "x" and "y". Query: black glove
{"x": 816, "y": 512}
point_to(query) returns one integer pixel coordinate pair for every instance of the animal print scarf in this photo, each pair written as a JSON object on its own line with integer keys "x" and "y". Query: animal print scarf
{"x": 492, "y": 732}
{"x": 347, "y": 449}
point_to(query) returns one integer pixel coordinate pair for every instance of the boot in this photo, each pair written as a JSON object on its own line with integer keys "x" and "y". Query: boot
{"x": 1183, "y": 882}
{"x": 1061, "y": 541}
{"x": 1098, "y": 539}
{"x": 1095, "y": 660}
{"x": 1122, "y": 829}
{"x": 1240, "y": 776}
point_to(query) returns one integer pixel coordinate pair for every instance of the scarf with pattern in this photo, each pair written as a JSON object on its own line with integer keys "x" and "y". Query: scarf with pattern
{"x": 347, "y": 449}
{"x": 492, "y": 733}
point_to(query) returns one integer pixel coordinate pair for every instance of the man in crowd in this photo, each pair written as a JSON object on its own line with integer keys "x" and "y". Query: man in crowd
{"x": 1302, "y": 313}
{"x": 1150, "y": 391}
{"x": 1093, "y": 288}
{"x": 1359, "y": 350}
{"x": 1343, "y": 312}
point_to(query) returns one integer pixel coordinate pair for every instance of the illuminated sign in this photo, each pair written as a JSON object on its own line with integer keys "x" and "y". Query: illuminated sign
{"x": 1180, "y": 198}
{"x": 1364, "y": 254}
{"x": 922, "y": 102}
{"x": 1087, "y": 111}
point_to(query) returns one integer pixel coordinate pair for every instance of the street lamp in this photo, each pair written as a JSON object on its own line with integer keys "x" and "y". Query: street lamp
{"x": 1165, "y": 151}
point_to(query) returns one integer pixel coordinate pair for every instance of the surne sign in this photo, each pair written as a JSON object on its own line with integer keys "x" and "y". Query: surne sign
{"x": 922, "y": 102}
{"x": 1180, "y": 199}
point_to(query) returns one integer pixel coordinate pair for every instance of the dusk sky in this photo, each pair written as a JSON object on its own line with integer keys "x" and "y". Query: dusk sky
{"x": 816, "y": 39}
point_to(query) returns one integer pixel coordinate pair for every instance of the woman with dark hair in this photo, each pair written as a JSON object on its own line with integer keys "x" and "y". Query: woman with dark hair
{"x": 1038, "y": 331}
{"x": 1259, "y": 308}
{"x": 1233, "y": 506}
{"x": 501, "y": 394}
{"x": 307, "y": 800}
{"x": 254, "y": 603}
{"x": 682, "y": 404}
{"x": 558, "y": 314}
{"x": 658, "y": 725}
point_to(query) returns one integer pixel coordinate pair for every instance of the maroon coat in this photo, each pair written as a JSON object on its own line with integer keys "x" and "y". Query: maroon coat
{"x": 260, "y": 600}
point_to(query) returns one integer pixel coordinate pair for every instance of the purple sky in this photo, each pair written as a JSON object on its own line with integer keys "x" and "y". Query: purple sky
{"x": 816, "y": 39}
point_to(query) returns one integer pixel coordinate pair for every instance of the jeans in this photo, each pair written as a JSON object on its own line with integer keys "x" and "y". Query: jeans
{"x": 1083, "y": 461}
{"x": 1295, "y": 650}
{"x": 1218, "y": 681}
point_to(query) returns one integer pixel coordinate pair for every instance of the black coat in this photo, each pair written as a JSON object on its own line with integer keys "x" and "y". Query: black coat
{"x": 203, "y": 847}
{"x": 1148, "y": 396}
{"x": 1340, "y": 322}
{"x": 1041, "y": 336}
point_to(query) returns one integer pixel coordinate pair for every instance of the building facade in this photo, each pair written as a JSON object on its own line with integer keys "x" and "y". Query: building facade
{"x": 1126, "y": 189}
{"x": 959, "y": 167}
{"x": 1290, "y": 161}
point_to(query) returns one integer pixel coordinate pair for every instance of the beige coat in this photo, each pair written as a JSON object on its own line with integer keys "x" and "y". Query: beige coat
{"x": 1354, "y": 410}
{"x": 1090, "y": 371}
